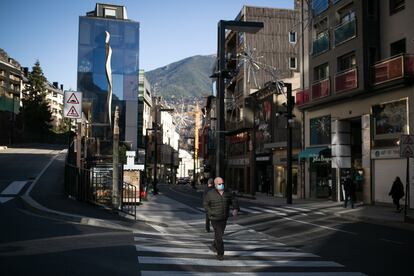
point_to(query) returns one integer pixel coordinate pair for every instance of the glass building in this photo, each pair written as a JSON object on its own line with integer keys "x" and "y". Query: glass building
{"x": 92, "y": 80}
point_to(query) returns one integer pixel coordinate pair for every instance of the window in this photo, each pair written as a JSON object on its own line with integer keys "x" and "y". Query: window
{"x": 321, "y": 72}
{"x": 292, "y": 63}
{"x": 292, "y": 37}
{"x": 54, "y": 94}
{"x": 346, "y": 62}
{"x": 396, "y": 6}
{"x": 109, "y": 12}
{"x": 390, "y": 119}
{"x": 372, "y": 8}
{"x": 320, "y": 130}
{"x": 398, "y": 47}
{"x": 347, "y": 14}
{"x": 241, "y": 38}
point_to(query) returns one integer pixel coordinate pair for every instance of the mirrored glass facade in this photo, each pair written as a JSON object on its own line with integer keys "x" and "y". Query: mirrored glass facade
{"x": 92, "y": 81}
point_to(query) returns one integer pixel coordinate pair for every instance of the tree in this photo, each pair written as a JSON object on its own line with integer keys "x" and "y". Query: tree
{"x": 36, "y": 114}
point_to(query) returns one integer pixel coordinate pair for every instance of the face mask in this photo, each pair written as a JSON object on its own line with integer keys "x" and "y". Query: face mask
{"x": 220, "y": 186}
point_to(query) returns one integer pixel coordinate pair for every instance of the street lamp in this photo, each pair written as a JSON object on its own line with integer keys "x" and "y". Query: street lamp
{"x": 221, "y": 74}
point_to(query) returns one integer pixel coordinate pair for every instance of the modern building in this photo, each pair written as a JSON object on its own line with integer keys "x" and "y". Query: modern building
{"x": 144, "y": 114}
{"x": 255, "y": 138}
{"x": 359, "y": 96}
{"x": 101, "y": 67}
{"x": 11, "y": 85}
{"x": 54, "y": 96}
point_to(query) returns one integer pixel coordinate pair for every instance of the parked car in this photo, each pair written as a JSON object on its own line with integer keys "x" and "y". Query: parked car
{"x": 183, "y": 180}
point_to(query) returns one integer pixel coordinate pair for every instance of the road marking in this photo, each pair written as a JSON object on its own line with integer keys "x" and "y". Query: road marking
{"x": 282, "y": 209}
{"x": 201, "y": 209}
{"x": 269, "y": 211}
{"x": 5, "y": 199}
{"x": 239, "y": 253}
{"x": 236, "y": 263}
{"x": 322, "y": 226}
{"x": 391, "y": 241}
{"x": 248, "y": 210}
{"x": 190, "y": 273}
{"x": 297, "y": 209}
{"x": 14, "y": 188}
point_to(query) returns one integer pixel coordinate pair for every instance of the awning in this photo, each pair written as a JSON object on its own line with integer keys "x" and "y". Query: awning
{"x": 314, "y": 152}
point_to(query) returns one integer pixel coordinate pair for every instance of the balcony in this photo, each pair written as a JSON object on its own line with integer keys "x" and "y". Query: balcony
{"x": 302, "y": 97}
{"x": 318, "y": 6}
{"x": 321, "y": 44}
{"x": 345, "y": 31}
{"x": 346, "y": 80}
{"x": 320, "y": 89}
{"x": 394, "y": 68}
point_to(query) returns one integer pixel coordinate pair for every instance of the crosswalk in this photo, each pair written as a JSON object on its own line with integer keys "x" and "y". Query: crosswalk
{"x": 247, "y": 252}
{"x": 11, "y": 191}
{"x": 277, "y": 210}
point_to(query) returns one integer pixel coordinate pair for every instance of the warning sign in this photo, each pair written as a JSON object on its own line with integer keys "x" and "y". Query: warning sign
{"x": 72, "y": 113}
{"x": 73, "y": 105}
{"x": 407, "y": 146}
{"x": 72, "y": 99}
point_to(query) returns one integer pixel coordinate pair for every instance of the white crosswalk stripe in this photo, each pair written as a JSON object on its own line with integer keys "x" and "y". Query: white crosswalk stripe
{"x": 189, "y": 254}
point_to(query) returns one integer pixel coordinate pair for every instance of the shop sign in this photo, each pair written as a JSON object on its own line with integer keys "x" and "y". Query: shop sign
{"x": 321, "y": 158}
{"x": 388, "y": 153}
{"x": 238, "y": 162}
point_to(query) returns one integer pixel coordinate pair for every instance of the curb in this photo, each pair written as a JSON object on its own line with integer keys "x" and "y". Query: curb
{"x": 3, "y": 147}
{"x": 32, "y": 204}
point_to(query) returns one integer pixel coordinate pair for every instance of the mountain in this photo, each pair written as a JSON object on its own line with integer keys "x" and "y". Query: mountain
{"x": 189, "y": 77}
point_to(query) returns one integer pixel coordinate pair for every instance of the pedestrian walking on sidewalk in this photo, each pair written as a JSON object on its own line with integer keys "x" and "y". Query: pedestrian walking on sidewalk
{"x": 210, "y": 186}
{"x": 217, "y": 202}
{"x": 349, "y": 187}
{"x": 397, "y": 192}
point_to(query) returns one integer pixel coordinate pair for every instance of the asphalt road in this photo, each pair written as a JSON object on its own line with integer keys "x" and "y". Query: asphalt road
{"x": 32, "y": 243}
{"x": 369, "y": 248}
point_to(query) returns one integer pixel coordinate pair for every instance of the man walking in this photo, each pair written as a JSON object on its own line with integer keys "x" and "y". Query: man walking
{"x": 217, "y": 203}
{"x": 210, "y": 186}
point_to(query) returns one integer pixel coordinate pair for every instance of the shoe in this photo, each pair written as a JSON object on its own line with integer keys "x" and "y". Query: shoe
{"x": 213, "y": 248}
{"x": 220, "y": 257}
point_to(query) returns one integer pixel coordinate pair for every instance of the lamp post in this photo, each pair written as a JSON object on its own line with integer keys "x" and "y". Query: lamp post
{"x": 239, "y": 26}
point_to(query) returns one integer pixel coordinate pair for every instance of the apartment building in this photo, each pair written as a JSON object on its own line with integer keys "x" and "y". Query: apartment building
{"x": 359, "y": 96}
{"x": 54, "y": 97}
{"x": 255, "y": 138}
{"x": 11, "y": 85}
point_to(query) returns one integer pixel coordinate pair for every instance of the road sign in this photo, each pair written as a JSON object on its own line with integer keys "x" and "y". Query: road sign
{"x": 407, "y": 146}
{"x": 72, "y": 105}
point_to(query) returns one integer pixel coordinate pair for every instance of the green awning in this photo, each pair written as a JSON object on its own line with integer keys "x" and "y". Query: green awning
{"x": 314, "y": 152}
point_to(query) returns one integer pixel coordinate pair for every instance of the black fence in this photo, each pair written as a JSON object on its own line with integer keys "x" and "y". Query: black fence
{"x": 95, "y": 186}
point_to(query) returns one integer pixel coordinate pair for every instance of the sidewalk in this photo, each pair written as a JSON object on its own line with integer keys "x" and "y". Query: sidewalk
{"x": 46, "y": 195}
{"x": 377, "y": 214}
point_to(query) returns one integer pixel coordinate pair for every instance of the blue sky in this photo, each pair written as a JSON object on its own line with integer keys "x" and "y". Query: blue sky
{"x": 171, "y": 30}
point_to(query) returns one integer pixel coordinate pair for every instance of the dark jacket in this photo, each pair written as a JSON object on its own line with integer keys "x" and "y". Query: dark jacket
{"x": 206, "y": 190}
{"x": 349, "y": 187}
{"x": 397, "y": 190}
{"x": 218, "y": 206}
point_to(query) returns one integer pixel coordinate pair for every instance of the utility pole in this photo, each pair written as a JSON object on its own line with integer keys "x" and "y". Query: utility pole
{"x": 154, "y": 185}
{"x": 115, "y": 161}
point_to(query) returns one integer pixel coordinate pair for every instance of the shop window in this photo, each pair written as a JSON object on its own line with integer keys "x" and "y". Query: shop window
{"x": 398, "y": 47}
{"x": 396, "y": 6}
{"x": 320, "y": 129}
{"x": 390, "y": 119}
{"x": 346, "y": 62}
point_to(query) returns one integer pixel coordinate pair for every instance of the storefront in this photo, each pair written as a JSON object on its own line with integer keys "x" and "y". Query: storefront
{"x": 318, "y": 161}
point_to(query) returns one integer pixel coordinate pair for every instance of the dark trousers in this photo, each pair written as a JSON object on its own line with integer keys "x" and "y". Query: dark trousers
{"x": 397, "y": 203}
{"x": 207, "y": 223}
{"x": 219, "y": 227}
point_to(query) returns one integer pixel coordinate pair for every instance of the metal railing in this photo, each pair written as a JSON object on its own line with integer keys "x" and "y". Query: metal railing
{"x": 321, "y": 44}
{"x": 392, "y": 68}
{"x": 321, "y": 88}
{"x": 346, "y": 80}
{"x": 345, "y": 31}
{"x": 95, "y": 186}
